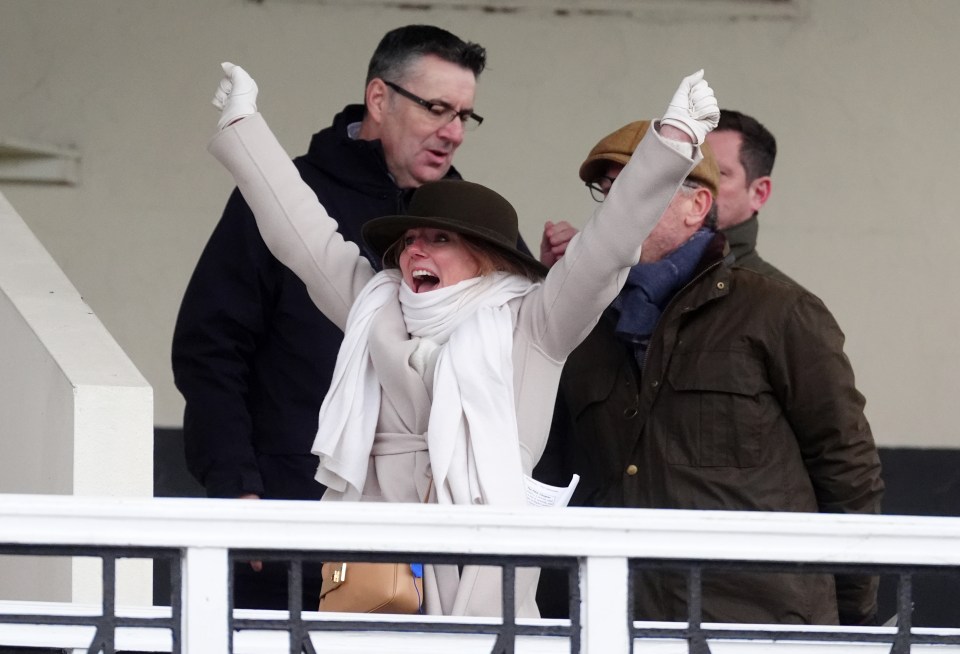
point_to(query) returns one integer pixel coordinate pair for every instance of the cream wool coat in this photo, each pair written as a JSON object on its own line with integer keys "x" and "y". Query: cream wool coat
{"x": 549, "y": 322}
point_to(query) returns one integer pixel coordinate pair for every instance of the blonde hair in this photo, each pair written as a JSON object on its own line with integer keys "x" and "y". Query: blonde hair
{"x": 490, "y": 258}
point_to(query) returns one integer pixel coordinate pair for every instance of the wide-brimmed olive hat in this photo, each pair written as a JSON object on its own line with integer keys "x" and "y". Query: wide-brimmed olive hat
{"x": 463, "y": 207}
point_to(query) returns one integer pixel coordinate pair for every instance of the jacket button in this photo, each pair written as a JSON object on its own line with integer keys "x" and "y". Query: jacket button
{"x": 629, "y": 412}
{"x": 721, "y": 285}
{"x": 631, "y": 470}
{"x": 655, "y": 383}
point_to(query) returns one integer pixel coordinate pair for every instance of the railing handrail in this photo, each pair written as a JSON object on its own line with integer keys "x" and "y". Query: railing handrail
{"x": 573, "y": 532}
{"x": 202, "y": 536}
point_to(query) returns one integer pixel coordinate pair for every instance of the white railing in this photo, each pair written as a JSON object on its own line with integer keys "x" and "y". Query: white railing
{"x": 201, "y": 532}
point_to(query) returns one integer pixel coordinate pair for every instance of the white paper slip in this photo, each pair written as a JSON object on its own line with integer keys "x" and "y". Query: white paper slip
{"x": 540, "y": 494}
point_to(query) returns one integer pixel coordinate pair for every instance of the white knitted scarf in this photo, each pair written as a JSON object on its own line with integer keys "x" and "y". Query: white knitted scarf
{"x": 472, "y": 433}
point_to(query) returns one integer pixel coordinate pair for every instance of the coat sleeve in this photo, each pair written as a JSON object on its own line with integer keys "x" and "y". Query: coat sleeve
{"x": 292, "y": 222}
{"x": 815, "y": 382}
{"x": 594, "y": 268}
{"x": 221, "y": 319}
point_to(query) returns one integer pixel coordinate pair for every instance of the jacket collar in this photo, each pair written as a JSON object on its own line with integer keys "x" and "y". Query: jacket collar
{"x": 711, "y": 280}
{"x": 714, "y": 265}
{"x": 743, "y": 237}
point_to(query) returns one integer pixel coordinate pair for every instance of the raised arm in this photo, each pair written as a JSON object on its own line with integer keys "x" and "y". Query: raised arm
{"x": 596, "y": 261}
{"x": 293, "y": 223}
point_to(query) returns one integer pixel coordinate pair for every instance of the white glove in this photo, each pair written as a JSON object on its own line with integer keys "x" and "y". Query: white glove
{"x": 694, "y": 108}
{"x": 236, "y": 96}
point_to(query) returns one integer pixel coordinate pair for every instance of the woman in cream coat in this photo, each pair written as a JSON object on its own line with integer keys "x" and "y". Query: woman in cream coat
{"x": 447, "y": 396}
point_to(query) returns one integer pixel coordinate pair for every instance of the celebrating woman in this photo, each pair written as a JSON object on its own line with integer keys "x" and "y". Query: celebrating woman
{"x": 445, "y": 383}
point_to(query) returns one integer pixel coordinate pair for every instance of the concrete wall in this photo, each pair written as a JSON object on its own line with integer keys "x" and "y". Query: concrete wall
{"x": 860, "y": 94}
{"x": 76, "y": 417}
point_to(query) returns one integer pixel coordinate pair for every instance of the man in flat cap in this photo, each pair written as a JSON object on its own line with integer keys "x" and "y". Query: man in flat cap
{"x": 707, "y": 385}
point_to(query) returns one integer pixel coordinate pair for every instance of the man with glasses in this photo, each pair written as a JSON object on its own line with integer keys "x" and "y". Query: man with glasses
{"x": 252, "y": 355}
{"x": 711, "y": 386}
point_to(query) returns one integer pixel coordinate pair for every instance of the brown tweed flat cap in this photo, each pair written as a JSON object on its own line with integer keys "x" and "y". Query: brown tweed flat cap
{"x": 618, "y": 146}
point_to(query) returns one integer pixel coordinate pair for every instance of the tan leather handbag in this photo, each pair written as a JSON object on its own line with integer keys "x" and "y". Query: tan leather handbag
{"x": 362, "y": 587}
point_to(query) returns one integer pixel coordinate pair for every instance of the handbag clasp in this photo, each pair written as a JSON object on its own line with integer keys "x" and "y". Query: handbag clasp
{"x": 341, "y": 574}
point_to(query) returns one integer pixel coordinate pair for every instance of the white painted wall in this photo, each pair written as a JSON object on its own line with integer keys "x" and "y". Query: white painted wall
{"x": 860, "y": 94}
{"x": 76, "y": 417}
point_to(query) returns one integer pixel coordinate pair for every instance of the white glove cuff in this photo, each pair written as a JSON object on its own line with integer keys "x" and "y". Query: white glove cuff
{"x": 232, "y": 113}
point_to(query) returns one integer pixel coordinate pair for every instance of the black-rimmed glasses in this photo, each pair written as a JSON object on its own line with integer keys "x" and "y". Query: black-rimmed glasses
{"x": 599, "y": 189}
{"x": 441, "y": 111}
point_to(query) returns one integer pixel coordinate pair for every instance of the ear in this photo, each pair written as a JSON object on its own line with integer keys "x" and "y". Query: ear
{"x": 700, "y": 203}
{"x": 759, "y": 192}
{"x": 375, "y": 98}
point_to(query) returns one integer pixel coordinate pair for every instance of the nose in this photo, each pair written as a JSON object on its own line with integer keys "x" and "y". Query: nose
{"x": 415, "y": 246}
{"x": 452, "y": 131}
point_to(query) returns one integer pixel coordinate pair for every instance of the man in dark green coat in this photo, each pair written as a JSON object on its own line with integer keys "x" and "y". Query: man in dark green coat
{"x": 745, "y": 151}
{"x": 707, "y": 385}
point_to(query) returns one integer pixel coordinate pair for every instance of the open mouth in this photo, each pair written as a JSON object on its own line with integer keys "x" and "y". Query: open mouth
{"x": 440, "y": 156}
{"x": 424, "y": 280}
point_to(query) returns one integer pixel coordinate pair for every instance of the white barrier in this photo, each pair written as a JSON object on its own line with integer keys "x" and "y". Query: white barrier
{"x": 601, "y": 539}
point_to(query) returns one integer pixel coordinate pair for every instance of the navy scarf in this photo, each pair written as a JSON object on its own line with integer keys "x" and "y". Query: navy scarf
{"x": 651, "y": 286}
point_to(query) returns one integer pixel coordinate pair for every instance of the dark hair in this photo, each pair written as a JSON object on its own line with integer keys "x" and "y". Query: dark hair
{"x": 401, "y": 47}
{"x": 758, "y": 150}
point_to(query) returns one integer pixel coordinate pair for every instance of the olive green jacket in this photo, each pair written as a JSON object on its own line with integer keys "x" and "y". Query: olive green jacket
{"x": 746, "y": 402}
{"x": 743, "y": 245}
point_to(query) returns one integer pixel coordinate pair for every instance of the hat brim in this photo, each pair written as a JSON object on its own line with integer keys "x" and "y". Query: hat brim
{"x": 596, "y": 165}
{"x": 381, "y": 233}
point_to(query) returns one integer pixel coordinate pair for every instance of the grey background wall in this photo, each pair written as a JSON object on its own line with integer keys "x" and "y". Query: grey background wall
{"x": 860, "y": 93}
